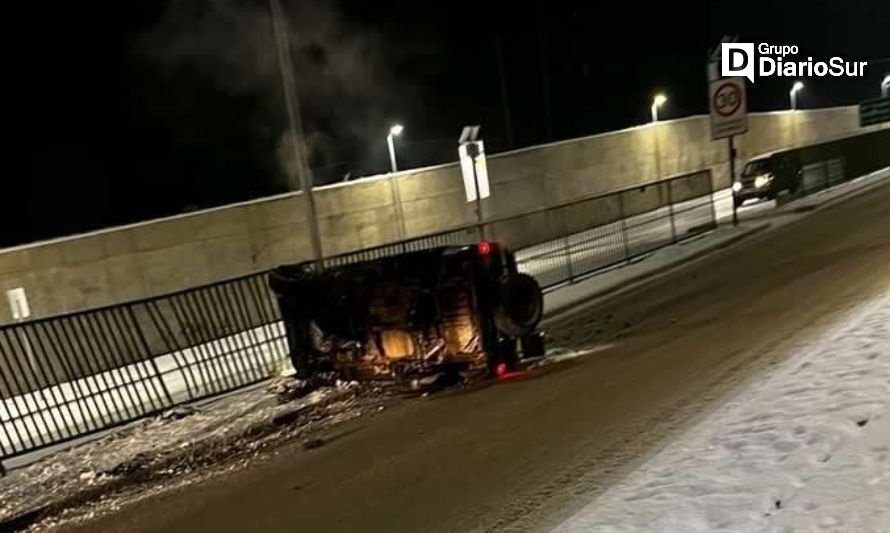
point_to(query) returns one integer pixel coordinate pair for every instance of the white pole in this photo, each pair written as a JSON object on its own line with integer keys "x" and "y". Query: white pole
{"x": 793, "y": 93}
{"x": 392, "y": 153}
{"x": 393, "y": 182}
{"x": 657, "y": 101}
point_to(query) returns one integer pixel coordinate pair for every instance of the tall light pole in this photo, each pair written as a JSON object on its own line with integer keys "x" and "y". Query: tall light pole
{"x": 793, "y": 94}
{"x": 657, "y": 102}
{"x": 393, "y": 182}
{"x": 393, "y": 131}
{"x": 885, "y": 85}
{"x": 295, "y": 122}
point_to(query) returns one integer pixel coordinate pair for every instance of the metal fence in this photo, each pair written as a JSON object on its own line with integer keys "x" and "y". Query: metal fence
{"x": 601, "y": 232}
{"x": 561, "y": 243}
{"x": 822, "y": 175}
{"x": 455, "y": 237}
{"x": 67, "y": 376}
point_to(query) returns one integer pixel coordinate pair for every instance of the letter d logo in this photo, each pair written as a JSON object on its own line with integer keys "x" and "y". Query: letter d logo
{"x": 737, "y": 59}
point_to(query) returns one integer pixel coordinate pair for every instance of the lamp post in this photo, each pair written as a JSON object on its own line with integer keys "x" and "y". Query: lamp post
{"x": 393, "y": 182}
{"x": 793, "y": 94}
{"x": 885, "y": 85}
{"x": 657, "y": 102}
{"x": 393, "y": 131}
{"x": 295, "y": 124}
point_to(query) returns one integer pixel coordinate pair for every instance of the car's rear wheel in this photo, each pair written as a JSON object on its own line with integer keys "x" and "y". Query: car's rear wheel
{"x": 520, "y": 305}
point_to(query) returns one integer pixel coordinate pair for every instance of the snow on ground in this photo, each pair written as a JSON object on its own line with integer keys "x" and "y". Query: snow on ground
{"x": 180, "y": 442}
{"x": 806, "y": 449}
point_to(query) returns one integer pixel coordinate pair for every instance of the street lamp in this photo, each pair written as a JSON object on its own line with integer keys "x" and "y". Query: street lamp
{"x": 793, "y": 94}
{"x": 885, "y": 85}
{"x": 656, "y": 103}
{"x": 393, "y": 131}
{"x": 393, "y": 183}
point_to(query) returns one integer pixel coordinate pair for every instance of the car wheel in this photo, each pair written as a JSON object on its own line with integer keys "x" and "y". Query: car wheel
{"x": 520, "y": 305}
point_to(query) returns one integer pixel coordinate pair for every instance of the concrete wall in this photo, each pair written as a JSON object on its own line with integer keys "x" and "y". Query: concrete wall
{"x": 169, "y": 254}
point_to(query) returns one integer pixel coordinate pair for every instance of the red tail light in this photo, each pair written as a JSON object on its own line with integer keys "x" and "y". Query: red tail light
{"x": 484, "y": 248}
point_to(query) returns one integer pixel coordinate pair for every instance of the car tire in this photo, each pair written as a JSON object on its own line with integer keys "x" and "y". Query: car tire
{"x": 520, "y": 305}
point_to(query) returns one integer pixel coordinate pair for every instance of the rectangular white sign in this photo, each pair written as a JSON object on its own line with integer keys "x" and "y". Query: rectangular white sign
{"x": 466, "y": 170}
{"x": 18, "y": 303}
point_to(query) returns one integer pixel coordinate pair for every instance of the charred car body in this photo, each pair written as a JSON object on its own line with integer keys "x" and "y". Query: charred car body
{"x": 446, "y": 309}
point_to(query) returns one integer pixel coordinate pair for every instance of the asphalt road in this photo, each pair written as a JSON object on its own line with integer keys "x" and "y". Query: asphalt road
{"x": 525, "y": 455}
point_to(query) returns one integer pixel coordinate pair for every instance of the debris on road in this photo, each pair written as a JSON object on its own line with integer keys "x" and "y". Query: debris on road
{"x": 222, "y": 435}
{"x": 178, "y": 413}
{"x": 313, "y": 443}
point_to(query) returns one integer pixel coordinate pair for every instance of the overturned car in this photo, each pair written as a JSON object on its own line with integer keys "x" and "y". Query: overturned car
{"x": 451, "y": 309}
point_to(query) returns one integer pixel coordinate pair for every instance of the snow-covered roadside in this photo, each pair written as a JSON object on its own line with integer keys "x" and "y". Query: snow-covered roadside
{"x": 226, "y": 433}
{"x": 806, "y": 449}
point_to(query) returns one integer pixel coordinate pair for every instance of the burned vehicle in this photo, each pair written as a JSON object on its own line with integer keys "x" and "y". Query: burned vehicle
{"x": 453, "y": 309}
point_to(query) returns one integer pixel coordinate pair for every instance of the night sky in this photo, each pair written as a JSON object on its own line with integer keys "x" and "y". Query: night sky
{"x": 138, "y": 109}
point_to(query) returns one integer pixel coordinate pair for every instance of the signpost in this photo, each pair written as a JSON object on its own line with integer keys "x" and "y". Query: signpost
{"x": 473, "y": 168}
{"x": 729, "y": 114}
{"x": 728, "y": 103}
{"x": 21, "y": 311}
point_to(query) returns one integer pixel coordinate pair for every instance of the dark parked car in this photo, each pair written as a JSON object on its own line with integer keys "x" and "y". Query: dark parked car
{"x": 443, "y": 310}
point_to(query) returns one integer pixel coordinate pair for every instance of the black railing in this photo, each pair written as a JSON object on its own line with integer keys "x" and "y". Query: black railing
{"x": 821, "y": 175}
{"x": 561, "y": 243}
{"x": 67, "y": 376}
{"x": 604, "y": 231}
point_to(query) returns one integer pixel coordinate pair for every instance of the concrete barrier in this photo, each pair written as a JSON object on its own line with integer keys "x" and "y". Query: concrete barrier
{"x": 169, "y": 254}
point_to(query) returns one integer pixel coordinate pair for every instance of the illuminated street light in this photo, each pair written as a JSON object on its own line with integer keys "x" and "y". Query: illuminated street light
{"x": 793, "y": 94}
{"x": 885, "y": 85}
{"x": 393, "y": 131}
{"x": 393, "y": 182}
{"x": 656, "y": 103}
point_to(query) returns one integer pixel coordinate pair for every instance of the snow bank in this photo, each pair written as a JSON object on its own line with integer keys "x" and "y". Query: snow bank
{"x": 807, "y": 448}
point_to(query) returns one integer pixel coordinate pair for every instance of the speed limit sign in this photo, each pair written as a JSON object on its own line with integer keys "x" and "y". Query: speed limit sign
{"x": 729, "y": 107}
